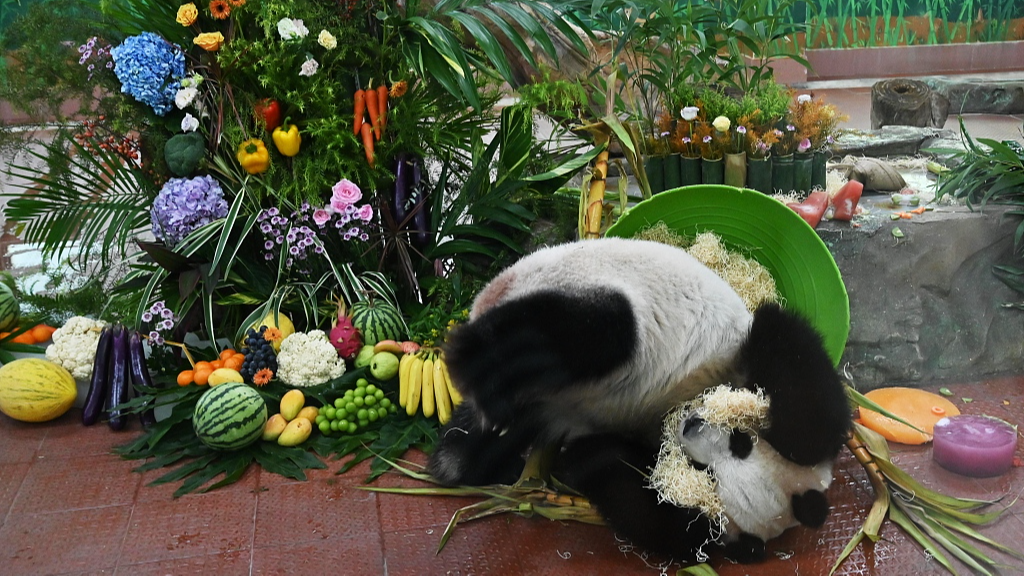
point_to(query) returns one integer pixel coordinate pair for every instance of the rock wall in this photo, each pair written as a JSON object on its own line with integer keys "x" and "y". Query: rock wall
{"x": 927, "y": 307}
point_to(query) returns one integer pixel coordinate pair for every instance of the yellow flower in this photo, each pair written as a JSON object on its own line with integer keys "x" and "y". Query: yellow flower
{"x": 327, "y": 40}
{"x": 187, "y": 14}
{"x": 398, "y": 89}
{"x": 209, "y": 41}
{"x": 721, "y": 124}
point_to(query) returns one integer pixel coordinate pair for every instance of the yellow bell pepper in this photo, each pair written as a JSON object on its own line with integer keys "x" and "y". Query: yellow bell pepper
{"x": 254, "y": 156}
{"x": 286, "y": 138}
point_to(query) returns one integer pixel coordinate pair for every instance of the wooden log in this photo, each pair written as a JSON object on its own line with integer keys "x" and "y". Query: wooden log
{"x": 905, "y": 102}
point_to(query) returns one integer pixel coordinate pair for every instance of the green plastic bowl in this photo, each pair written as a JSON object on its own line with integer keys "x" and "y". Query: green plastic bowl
{"x": 763, "y": 228}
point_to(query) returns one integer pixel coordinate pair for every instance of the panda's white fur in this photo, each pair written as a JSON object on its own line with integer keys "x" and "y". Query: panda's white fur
{"x": 756, "y": 492}
{"x": 690, "y": 325}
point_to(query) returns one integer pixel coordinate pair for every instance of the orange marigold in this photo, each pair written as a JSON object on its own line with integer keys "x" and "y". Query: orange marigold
{"x": 237, "y": 3}
{"x": 272, "y": 334}
{"x": 398, "y": 89}
{"x": 220, "y": 9}
{"x": 263, "y": 377}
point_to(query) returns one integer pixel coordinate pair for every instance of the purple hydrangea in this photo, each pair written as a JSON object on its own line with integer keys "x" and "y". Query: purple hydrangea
{"x": 150, "y": 70}
{"x": 185, "y": 204}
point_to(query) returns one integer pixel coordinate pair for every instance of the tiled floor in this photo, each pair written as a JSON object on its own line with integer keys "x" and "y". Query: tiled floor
{"x": 69, "y": 507}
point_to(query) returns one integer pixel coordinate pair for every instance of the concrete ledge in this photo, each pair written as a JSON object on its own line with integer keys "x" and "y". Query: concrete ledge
{"x": 927, "y": 307}
{"x": 894, "y": 61}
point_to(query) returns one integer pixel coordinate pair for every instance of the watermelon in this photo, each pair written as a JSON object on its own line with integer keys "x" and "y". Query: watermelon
{"x": 377, "y": 320}
{"x": 9, "y": 310}
{"x": 35, "y": 390}
{"x": 230, "y": 416}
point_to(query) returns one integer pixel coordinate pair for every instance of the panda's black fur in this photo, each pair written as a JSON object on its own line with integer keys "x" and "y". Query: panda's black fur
{"x": 588, "y": 345}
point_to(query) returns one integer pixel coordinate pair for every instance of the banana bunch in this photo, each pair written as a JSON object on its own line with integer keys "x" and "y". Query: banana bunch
{"x": 423, "y": 381}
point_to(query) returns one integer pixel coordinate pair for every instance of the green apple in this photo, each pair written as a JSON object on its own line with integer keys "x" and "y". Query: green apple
{"x": 364, "y": 356}
{"x": 384, "y": 366}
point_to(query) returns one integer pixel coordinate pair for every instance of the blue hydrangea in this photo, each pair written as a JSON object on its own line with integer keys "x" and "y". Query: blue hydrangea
{"x": 150, "y": 70}
{"x": 185, "y": 204}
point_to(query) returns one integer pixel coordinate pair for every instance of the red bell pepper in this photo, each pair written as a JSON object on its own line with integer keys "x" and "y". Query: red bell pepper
{"x": 845, "y": 201}
{"x": 812, "y": 208}
{"x": 268, "y": 113}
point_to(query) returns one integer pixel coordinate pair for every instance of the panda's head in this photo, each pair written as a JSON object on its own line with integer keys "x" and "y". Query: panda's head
{"x": 758, "y": 492}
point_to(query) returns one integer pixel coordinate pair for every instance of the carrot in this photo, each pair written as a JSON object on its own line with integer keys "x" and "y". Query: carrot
{"x": 25, "y": 338}
{"x": 906, "y": 216}
{"x": 368, "y": 143}
{"x": 382, "y": 105}
{"x": 373, "y": 109}
{"x": 360, "y": 108}
{"x": 918, "y": 210}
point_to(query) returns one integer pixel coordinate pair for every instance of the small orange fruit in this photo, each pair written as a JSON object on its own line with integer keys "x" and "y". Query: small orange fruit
{"x": 185, "y": 377}
{"x": 202, "y": 375}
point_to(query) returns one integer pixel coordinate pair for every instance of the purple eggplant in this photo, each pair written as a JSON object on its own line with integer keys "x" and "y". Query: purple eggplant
{"x": 93, "y": 408}
{"x": 400, "y": 202}
{"x": 119, "y": 386}
{"x": 140, "y": 374}
{"x": 421, "y": 217}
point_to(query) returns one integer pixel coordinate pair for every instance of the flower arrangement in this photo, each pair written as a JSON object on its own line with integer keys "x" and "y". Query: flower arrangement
{"x": 185, "y": 204}
{"x": 816, "y": 122}
{"x": 149, "y": 69}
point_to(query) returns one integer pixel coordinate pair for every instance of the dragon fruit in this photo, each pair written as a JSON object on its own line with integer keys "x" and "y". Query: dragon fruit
{"x": 344, "y": 336}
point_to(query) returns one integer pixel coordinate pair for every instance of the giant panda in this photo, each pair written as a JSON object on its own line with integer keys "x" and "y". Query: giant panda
{"x": 588, "y": 345}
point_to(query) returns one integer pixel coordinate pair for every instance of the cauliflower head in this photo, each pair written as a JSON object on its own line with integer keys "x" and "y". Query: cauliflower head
{"x": 308, "y": 360}
{"x": 74, "y": 346}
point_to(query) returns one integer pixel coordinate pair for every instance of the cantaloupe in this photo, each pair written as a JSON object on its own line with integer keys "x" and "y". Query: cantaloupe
{"x": 35, "y": 390}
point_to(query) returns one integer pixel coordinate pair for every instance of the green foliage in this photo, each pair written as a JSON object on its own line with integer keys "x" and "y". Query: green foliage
{"x": 561, "y": 99}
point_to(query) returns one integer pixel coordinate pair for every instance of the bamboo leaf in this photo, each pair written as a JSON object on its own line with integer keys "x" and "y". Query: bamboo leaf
{"x": 847, "y": 550}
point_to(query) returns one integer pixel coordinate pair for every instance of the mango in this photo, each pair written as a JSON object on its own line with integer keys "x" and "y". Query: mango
{"x": 291, "y": 403}
{"x": 222, "y": 375}
{"x": 309, "y": 413}
{"x": 275, "y": 425}
{"x": 295, "y": 432}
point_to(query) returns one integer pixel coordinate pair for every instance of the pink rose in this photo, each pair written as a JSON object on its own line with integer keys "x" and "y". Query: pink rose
{"x": 321, "y": 216}
{"x": 345, "y": 192}
{"x": 338, "y": 206}
{"x": 365, "y": 213}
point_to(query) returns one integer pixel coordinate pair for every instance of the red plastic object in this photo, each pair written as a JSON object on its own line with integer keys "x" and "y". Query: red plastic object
{"x": 812, "y": 208}
{"x": 845, "y": 201}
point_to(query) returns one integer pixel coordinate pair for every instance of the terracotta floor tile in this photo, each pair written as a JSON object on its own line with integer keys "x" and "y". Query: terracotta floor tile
{"x": 268, "y": 479}
{"x": 11, "y": 478}
{"x": 315, "y": 510}
{"x": 482, "y": 547}
{"x": 400, "y": 511}
{"x": 248, "y": 483}
{"x": 61, "y": 542}
{"x": 68, "y": 483}
{"x": 66, "y": 437}
{"x": 557, "y": 548}
{"x": 352, "y": 556}
{"x": 234, "y": 563}
{"x": 198, "y": 526}
{"x": 21, "y": 440}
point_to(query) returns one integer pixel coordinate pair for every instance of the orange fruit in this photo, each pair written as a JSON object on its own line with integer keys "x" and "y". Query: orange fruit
{"x": 203, "y": 364}
{"x": 41, "y": 333}
{"x": 185, "y": 377}
{"x": 226, "y": 353}
{"x": 233, "y": 363}
{"x": 217, "y": 364}
{"x": 240, "y": 357}
{"x": 202, "y": 375}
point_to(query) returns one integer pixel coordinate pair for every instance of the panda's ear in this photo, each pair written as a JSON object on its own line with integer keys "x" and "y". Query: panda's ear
{"x": 740, "y": 444}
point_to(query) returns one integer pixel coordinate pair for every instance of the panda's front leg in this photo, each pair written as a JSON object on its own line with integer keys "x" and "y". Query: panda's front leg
{"x": 468, "y": 454}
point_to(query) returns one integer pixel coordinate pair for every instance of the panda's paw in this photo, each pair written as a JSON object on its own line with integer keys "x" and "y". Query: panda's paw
{"x": 810, "y": 508}
{"x": 746, "y": 549}
{"x": 466, "y": 454}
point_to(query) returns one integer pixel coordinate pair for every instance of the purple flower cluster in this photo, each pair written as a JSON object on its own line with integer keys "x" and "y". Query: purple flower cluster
{"x": 150, "y": 69}
{"x": 300, "y": 233}
{"x": 93, "y": 55}
{"x": 185, "y": 204}
{"x": 162, "y": 318}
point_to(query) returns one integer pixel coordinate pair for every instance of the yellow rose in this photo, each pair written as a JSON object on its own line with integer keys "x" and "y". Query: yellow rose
{"x": 721, "y": 124}
{"x": 209, "y": 41}
{"x": 187, "y": 14}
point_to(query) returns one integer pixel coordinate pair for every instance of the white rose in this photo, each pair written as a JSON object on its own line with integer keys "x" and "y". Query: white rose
{"x": 189, "y": 123}
{"x": 803, "y": 99}
{"x": 327, "y": 40}
{"x": 184, "y": 97}
{"x": 290, "y": 29}
{"x": 689, "y": 113}
{"x": 309, "y": 67}
{"x": 721, "y": 124}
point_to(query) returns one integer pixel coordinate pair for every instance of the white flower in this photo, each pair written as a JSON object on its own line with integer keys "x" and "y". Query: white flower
{"x": 189, "y": 123}
{"x": 308, "y": 360}
{"x": 803, "y": 99}
{"x": 721, "y": 124}
{"x": 327, "y": 40}
{"x": 290, "y": 29}
{"x": 184, "y": 97}
{"x": 689, "y": 113}
{"x": 192, "y": 81}
{"x": 309, "y": 67}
